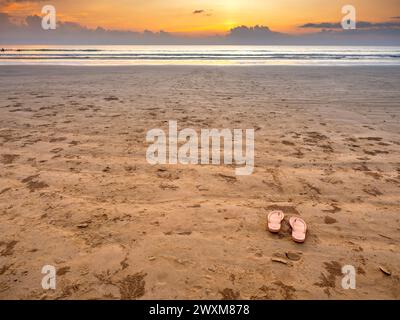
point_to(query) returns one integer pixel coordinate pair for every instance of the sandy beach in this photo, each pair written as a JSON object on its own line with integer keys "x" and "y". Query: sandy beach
{"x": 77, "y": 192}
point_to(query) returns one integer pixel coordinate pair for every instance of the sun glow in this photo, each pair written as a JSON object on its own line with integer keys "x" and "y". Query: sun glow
{"x": 233, "y": 5}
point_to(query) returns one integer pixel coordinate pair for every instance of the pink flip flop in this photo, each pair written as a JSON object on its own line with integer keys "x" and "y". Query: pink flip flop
{"x": 274, "y": 220}
{"x": 299, "y": 229}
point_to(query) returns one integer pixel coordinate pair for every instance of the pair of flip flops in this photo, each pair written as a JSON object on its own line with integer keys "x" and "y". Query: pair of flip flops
{"x": 299, "y": 226}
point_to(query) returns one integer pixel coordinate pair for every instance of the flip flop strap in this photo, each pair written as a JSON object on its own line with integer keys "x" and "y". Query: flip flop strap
{"x": 302, "y": 223}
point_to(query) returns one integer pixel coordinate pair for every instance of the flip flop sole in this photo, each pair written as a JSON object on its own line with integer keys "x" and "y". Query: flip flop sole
{"x": 298, "y": 235}
{"x": 274, "y": 221}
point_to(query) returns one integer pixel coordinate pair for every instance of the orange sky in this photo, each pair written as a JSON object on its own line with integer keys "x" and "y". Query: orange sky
{"x": 218, "y": 17}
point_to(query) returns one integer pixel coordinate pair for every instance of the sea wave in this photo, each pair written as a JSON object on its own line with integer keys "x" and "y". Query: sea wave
{"x": 201, "y": 55}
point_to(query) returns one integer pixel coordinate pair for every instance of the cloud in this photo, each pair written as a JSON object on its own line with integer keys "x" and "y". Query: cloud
{"x": 262, "y": 35}
{"x": 9, "y": 1}
{"x": 23, "y": 3}
{"x": 5, "y": 22}
{"x": 202, "y": 12}
{"x": 359, "y": 24}
{"x": 6, "y": 2}
{"x": 245, "y": 33}
{"x": 30, "y": 32}
{"x": 322, "y": 25}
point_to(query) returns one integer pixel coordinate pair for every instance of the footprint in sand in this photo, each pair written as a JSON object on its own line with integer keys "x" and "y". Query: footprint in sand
{"x": 328, "y": 281}
{"x": 8, "y": 158}
{"x": 32, "y": 184}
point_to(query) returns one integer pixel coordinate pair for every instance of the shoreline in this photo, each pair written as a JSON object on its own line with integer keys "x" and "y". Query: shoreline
{"x": 208, "y": 65}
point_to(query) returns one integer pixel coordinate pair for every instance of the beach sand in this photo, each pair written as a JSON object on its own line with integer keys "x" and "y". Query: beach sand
{"x": 76, "y": 191}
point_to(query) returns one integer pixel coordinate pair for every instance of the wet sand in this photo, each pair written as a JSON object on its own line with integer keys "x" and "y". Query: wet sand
{"x": 77, "y": 192}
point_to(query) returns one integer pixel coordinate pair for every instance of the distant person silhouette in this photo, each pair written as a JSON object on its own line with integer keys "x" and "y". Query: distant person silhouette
{"x": 2, "y": 50}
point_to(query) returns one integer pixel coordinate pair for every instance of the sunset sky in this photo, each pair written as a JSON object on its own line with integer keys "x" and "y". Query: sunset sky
{"x": 199, "y": 17}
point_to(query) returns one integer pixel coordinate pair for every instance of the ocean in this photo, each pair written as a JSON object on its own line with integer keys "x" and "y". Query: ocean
{"x": 198, "y": 55}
